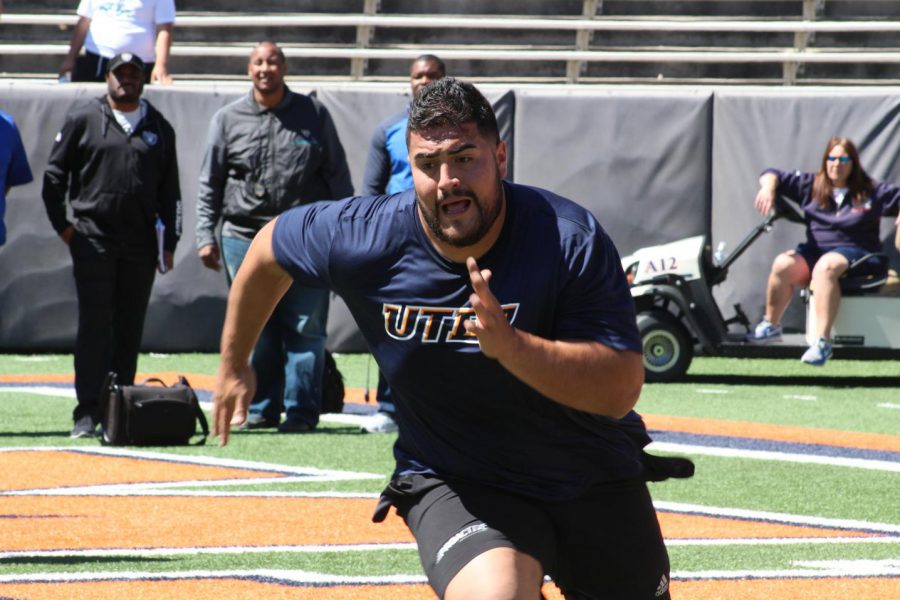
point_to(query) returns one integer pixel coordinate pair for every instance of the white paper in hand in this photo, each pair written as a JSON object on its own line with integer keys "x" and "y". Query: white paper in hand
{"x": 160, "y": 236}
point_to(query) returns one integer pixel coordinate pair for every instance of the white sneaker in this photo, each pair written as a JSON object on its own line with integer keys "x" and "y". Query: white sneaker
{"x": 818, "y": 353}
{"x": 765, "y": 333}
{"x": 380, "y": 422}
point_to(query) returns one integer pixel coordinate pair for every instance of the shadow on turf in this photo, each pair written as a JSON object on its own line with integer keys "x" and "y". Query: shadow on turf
{"x": 805, "y": 380}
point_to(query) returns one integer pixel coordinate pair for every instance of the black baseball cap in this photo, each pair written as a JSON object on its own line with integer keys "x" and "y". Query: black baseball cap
{"x": 125, "y": 58}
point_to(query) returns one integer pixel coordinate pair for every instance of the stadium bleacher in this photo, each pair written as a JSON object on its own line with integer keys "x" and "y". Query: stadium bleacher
{"x": 556, "y": 41}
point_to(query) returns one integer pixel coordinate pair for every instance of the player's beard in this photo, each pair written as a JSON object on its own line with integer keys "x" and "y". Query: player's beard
{"x": 487, "y": 216}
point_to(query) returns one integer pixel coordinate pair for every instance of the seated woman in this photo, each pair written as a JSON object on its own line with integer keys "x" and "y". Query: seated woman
{"x": 842, "y": 208}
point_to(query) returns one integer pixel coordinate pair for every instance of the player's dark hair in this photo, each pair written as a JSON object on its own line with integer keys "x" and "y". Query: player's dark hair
{"x": 449, "y": 102}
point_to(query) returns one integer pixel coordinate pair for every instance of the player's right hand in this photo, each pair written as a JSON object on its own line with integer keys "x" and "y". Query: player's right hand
{"x": 67, "y": 66}
{"x": 231, "y": 399}
{"x": 765, "y": 200}
{"x": 210, "y": 257}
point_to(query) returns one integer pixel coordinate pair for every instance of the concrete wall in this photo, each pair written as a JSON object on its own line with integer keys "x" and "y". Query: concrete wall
{"x": 654, "y": 164}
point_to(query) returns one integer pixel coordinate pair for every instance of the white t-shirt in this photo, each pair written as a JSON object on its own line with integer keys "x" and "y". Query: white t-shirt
{"x": 838, "y": 194}
{"x": 125, "y": 25}
{"x": 129, "y": 120}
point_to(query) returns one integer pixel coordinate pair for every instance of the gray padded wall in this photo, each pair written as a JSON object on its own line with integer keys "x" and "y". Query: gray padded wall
{"x": 758, "y": 129}
{"x": 639, "y": 160}
{"x": 653, "y": 164}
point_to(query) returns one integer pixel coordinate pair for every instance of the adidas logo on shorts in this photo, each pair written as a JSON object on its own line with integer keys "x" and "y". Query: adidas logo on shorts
{"x": 663, "y": 586}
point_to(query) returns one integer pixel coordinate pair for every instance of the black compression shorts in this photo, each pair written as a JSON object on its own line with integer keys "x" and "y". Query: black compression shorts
{"x": 606, "y": 544}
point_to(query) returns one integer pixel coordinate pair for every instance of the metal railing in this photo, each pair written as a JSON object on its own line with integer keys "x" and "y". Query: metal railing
{"x": 575, "y": 57}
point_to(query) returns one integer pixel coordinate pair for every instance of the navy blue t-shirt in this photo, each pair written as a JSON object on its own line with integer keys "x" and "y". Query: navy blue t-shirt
{"x": 847, "y": 225}
{"x": 461, "y": 414}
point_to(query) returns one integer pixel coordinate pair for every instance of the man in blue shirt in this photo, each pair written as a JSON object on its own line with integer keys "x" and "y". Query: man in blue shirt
{"x": 387, "y": 172}
{"x": 501, "y": 318}
{"x": 14, "y": 169}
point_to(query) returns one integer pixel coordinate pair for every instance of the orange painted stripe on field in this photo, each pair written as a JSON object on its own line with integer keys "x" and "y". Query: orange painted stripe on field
{"x": 780, "y": 433}
{"x": 36, "y": 379}
{"x": 53, "y": 469}
{"x": 77, "y": 522}
{"x": 56, "y": 523}
{"x": 685, "y": 526}
{"x": 238, "y": 589}
{"x": 863, "y": 588}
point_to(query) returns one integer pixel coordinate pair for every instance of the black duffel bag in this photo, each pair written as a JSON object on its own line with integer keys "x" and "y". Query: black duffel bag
{"x": 150, "y": 413}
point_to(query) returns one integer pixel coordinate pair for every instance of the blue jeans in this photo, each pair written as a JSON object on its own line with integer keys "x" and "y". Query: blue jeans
{"x": 290, "y": 355}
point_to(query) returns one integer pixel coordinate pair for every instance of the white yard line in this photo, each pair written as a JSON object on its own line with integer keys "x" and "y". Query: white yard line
{"x": 132, "y": 552}
{"x": 881, "y": 539}
{"x": 793, "y": 457}
{"x": 346, "y": 548}
{"x": 208, "y": 461}
{"x": 823, "y": 569}
{"x": 292, "y": 576}
{"x": 787, "y": 518}
{"x": 291, "y": 474}
{"x": 888, "y": 405}
{"x": 862, "y": 568}
{"x": 40, "y": 390}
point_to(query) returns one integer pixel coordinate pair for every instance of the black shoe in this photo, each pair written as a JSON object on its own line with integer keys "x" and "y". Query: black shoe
{"x": 291, "y": 426}
{"x": 259, "y": 422}
{"x": 84, "y": 427}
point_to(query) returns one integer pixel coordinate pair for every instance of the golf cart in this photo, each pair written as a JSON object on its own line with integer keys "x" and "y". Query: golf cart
{"x": 677, "y": 315}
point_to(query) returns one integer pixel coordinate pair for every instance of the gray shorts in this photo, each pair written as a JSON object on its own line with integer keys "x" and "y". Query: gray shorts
{"x": 606, "y": 544}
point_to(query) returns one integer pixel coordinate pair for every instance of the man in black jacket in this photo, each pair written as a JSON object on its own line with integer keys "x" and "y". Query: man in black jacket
{"x": 118, "y": 151}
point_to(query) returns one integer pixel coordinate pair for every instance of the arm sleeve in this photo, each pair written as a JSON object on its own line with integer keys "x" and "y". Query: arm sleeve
{"x": 59, "y": 167}
{"x": 378, "y": 165}
{"x": 19, "y": 172}
{"x": 211, "y": 187}
{"x": 596, "y": 303}
{"x": 165, "y": 12}
{"x": 890, "y": 198}
{"x": 303, "y": 239}
{"x": 170, "y": 196}
{"x": 85, "y": 9}
{"x": 795, "y": 185}
{"x": 335, "y": 168}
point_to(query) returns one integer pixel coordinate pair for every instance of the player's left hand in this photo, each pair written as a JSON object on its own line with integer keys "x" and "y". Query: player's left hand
{"x": 495, "y": 335}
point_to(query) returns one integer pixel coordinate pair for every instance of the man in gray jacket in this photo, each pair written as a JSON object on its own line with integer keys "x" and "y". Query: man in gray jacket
{"x": 267, "y": 152}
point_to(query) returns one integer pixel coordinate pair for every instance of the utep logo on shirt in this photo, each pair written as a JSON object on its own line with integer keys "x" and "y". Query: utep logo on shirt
{"x": 434, "y": 324}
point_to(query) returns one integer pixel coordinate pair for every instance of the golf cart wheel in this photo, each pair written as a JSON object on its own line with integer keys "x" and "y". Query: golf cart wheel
{"x": 667, "y": 347}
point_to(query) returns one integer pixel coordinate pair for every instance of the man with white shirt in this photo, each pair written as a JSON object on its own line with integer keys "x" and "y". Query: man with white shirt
{"x": 104, "y": 29}
{"x": 114, "y": 159}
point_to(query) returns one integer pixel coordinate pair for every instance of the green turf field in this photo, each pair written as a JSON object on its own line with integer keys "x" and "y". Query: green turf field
{"x": 777, "y": 444}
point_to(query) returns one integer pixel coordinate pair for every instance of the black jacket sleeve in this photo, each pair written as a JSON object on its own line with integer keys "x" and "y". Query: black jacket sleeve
{"x": 62, "y": 162}
{"x": 169, "y": 195}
